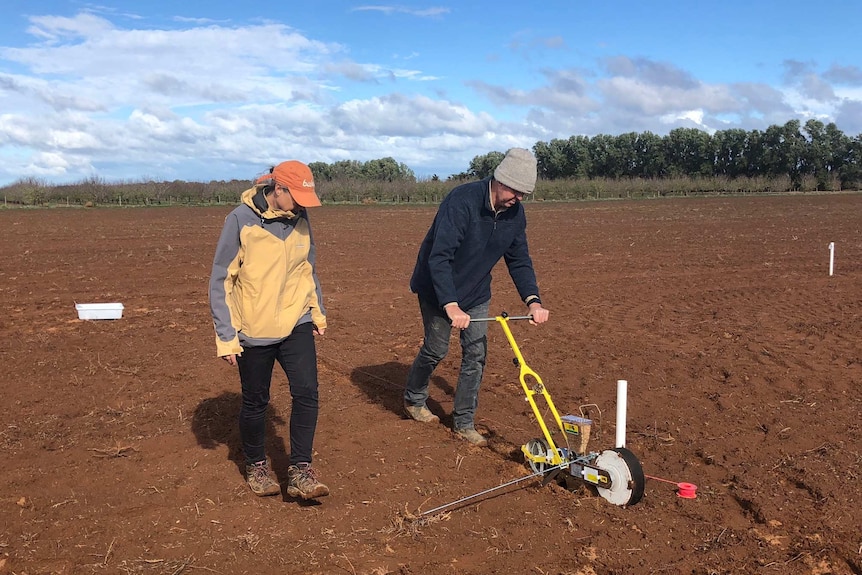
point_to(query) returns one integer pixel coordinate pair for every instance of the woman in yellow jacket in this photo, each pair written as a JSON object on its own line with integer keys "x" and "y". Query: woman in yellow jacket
{"x": 267, "y": 306}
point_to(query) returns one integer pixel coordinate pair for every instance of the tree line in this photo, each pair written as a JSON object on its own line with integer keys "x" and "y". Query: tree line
{"x": 792, "y": 157}
{"x": 818, "y": 153}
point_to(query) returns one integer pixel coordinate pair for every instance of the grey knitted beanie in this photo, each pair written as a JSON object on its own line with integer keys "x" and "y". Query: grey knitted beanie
{"x": 517, "y": 170}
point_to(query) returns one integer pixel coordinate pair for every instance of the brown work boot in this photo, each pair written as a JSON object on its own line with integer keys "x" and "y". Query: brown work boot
{"x": 473, "y": 436}
{"x": 259, "y": 480}
{"x": 420, "y": 413}
{"x": 302, "y": 482}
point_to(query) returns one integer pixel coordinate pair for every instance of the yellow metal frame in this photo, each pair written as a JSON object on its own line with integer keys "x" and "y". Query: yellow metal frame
{"x": 540, "y": 390}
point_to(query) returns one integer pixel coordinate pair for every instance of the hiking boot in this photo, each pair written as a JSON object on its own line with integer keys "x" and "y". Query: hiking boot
{"x": 302, "y": 482}
{"x": 472, "y": 436}
{"x": 420, "y": 413}
{"x": 259, "y": 480}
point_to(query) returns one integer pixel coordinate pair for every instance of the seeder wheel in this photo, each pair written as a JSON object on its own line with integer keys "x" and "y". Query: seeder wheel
{"x": 626, "y": 473}
{"x": 538, "y": 447}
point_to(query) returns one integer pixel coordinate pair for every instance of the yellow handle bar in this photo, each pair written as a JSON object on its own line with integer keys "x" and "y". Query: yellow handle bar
{"x": 539, "y": 388}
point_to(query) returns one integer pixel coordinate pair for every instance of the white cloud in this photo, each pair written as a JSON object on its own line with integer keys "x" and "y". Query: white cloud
{"x": 51, "y": 164}
{"x": 213, "y": 100}
{"x": 418, "y": 117}
{"x": 54, "y": 29}
{"x": 692, "y": 116}
{"x": 398, "y": 9}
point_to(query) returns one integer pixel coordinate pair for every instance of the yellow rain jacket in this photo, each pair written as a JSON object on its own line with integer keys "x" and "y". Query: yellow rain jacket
{"x": 263, "y": 281}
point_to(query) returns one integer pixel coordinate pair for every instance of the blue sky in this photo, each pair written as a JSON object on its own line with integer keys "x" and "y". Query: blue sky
{"x": 194, "y": 90}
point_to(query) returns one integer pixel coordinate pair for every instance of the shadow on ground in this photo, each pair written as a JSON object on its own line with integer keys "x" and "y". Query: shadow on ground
{"x": 383, "y": 384}
{"x": 216, "y": 422}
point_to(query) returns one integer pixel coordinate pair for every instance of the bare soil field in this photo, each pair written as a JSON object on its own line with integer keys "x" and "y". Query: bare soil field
{"x": 119, "y": 450}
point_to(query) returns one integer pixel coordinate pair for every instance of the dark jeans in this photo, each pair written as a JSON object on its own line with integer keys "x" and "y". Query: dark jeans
{"x": 298, "y": 358}
{"x": 474, "y": 348}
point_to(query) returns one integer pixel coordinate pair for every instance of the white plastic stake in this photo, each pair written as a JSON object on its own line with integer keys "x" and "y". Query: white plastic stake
{"x": 622, "y": 389}
{"x": 831, "y": 257}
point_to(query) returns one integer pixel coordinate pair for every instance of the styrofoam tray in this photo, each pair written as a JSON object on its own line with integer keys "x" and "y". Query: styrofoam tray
{"x": 99, "y": 310}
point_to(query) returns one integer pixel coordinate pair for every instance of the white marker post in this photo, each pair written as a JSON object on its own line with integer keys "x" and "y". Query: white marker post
{"x": 622, "y": 389}
{"x": 831, "y": 257}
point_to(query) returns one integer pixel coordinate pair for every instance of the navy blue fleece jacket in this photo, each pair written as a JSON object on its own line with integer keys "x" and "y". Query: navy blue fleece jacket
{"x": 465, "y": 242}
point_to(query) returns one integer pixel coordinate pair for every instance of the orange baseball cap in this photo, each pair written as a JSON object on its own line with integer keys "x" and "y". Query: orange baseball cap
{"x": 298, "y": 179}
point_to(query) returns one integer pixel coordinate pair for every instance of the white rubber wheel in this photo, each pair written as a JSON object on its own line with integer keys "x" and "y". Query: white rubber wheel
{"x": 626, "y": 473}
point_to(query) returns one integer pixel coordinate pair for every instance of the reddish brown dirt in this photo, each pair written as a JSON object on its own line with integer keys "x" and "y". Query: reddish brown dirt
{"x": 120, "y": 452}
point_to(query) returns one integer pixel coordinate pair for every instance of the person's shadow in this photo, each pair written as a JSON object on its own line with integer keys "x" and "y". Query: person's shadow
{"x": 216, "y": 422}
{"x": 384, "y": 385}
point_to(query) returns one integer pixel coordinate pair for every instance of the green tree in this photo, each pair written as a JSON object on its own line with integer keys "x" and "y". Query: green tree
{"x": 651, "y": 162}
{"x": 321, "y": 171}
{"x": 689, "y": 152}
{"x": 550, "y": 159}
{"x": 850, "y": 172}
{"x": 563, "y": 158}
{"x": 730, "y": 147}
{"x": 346, "y": 169}
{"x": 387, "y": 170}
{"x": 826, "y": 153}
{"x": 483, "y": 166}
{"x": 605, "y": 158}
{"x": 577, "y": 157}
{"x": 627, "y": 154}
{"x": 754, "y": 153}
{"x": 783, "y": 150}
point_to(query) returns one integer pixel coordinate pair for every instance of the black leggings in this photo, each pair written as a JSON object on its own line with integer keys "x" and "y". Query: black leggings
{"x": 298, "y": 358}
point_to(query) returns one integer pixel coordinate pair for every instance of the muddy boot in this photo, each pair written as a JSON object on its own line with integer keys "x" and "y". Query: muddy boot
{"x": 302, "y": 482}
{"x": 420, "y": 413}
{"x": 473, "y": 436}
{"x": 259, "y": 480}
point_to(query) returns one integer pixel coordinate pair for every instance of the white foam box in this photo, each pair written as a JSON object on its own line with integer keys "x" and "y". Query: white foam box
{"x": 99, "y": 310}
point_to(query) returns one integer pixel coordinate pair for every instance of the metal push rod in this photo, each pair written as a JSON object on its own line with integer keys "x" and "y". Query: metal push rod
{"x": 513, "y": 482}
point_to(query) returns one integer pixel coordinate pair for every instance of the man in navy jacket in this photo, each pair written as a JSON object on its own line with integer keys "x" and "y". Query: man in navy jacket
{"x": 476, "y": 225}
